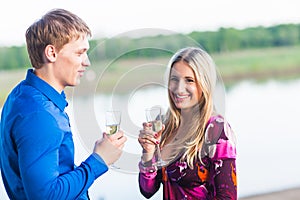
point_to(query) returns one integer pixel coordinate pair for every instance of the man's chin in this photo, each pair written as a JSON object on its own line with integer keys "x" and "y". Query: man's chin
{"x": 77, "y": 82}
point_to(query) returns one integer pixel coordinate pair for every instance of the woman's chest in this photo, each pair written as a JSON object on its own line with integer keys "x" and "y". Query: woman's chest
{"x": 179, "y": 173}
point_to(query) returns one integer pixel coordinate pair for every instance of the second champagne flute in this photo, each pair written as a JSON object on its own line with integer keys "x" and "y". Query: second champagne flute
{"x": 154, "y": 116}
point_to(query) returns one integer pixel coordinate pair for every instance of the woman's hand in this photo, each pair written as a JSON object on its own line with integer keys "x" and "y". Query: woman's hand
{"x": 148, "y": 139}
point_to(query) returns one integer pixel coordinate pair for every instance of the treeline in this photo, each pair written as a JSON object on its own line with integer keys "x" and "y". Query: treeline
{"x": 223, "y": 40}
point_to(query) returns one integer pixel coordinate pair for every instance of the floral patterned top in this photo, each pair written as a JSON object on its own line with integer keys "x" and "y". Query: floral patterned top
{"x": 213, "y": 178}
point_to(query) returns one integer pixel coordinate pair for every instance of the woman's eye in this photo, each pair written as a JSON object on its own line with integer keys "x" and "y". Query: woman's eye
{"x": 190, "y": 80}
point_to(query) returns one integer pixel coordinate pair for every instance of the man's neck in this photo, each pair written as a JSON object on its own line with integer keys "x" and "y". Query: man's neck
{"x": 46, "y": 75}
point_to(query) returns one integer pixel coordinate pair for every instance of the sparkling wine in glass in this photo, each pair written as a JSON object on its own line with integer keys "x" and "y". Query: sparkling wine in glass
{"x": 113, "y": 121}
{"x": 154, "y": 116}
{"x": 112, "y": 124}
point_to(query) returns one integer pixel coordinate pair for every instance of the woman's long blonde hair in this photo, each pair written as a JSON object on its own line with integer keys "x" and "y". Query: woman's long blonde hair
{"x": 205, "y": 74}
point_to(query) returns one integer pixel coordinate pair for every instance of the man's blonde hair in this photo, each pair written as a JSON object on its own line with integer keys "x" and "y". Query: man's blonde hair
{"x": 57, "y": 28}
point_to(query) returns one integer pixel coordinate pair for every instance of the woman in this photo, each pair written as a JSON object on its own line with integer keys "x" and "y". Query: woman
{"x": 196, "y": 141}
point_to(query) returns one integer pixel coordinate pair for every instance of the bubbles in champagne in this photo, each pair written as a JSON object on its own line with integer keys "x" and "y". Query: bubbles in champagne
{"x": 156, "y": 125}
{"x": 111, "y": 129}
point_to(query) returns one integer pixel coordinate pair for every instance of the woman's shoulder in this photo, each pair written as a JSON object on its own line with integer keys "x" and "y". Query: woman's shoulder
{"x": 214, "y": 129}
{"x": 219, "y": 138}
{"x": 218, "y": 123}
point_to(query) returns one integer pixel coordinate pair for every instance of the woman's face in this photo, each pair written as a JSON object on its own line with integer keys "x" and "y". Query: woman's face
{"x": 183, "y": 87}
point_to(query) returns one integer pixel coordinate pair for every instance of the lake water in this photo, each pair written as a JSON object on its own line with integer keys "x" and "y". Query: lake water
{"x": 264, "y": 116}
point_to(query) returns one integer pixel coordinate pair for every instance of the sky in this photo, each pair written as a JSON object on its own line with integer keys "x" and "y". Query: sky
{"x": 110, "y": 18}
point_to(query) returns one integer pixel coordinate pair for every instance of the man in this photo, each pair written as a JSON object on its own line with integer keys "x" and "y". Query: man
{"x": 37, "y": 150}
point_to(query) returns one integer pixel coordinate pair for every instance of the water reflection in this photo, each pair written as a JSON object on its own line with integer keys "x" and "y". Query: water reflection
{"x": 265, "y": 118}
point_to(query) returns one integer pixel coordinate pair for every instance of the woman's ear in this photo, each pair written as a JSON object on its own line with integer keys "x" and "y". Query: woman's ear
{"x": 50, "y": 53}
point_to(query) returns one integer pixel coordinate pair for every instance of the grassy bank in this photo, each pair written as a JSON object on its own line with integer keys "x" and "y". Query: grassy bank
{"x": 257, "y": 64}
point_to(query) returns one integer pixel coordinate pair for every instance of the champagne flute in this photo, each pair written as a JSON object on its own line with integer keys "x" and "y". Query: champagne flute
{"x": 112, "y": 124}
{"x": 113, "y": 121}
{"x": 154, "y": 116}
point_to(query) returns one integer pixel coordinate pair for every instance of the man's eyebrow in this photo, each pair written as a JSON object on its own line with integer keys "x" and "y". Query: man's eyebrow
{"x": 83, "y": 49}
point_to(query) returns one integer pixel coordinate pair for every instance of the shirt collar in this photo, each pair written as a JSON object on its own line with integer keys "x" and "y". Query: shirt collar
{"x": 58, "y": 99}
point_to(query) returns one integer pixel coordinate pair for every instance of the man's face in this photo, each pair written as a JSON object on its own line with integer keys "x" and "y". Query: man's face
{"x": 72, "y": 60}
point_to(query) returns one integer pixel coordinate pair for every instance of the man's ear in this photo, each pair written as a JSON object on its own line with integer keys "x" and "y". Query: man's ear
{"x": 50, "y": 53}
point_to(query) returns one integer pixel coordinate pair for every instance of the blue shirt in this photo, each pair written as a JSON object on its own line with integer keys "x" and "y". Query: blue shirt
{"x": 36, "y": 146}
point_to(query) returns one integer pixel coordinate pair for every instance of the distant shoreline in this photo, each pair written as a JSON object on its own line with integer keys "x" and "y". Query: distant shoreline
{"x": 287, "y": 194}
{"x": 8, "y": 79}
{"x": 264, "y": 75}
{"x": 251, "y": 64}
